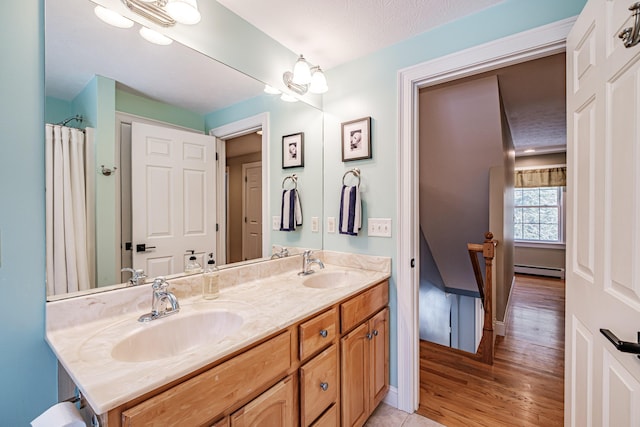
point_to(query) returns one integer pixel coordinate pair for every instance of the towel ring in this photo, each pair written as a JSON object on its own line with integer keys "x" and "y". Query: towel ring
{"x": 293, "y": 178}
{"x": 355, "y": 172}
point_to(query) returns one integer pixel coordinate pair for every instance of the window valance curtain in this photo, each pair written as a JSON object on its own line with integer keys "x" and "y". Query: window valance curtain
{"x": 549, "y": 177}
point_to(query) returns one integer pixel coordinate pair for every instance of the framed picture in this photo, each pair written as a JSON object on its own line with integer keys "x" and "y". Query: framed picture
{"x": 356, "y": 139}
{"x": 293, "y": 150}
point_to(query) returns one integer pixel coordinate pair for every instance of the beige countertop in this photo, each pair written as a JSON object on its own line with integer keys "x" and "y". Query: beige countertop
{"x": 268, "y": 296}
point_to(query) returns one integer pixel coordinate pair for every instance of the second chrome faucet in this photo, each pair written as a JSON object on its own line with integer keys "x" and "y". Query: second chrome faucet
{"x": 307, "y": 261}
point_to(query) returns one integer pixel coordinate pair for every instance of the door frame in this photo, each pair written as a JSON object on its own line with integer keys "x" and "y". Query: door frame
{"x": 532, "y": 44}
{"x": 232, "y": 130}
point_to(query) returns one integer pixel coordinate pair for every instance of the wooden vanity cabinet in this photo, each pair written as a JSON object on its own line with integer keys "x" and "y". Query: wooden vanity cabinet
{"x": 328, "y": 370}
{"x": 364, "y": 355}
{"x": 202, "y": 398}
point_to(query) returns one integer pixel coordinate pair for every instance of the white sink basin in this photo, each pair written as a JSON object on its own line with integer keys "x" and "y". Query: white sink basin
{"x": 331, "y": 279}
{"x": 177, "y": 334}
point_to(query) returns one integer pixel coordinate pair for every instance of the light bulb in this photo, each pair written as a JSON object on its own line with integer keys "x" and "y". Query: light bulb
{"x": 112, "y": 18}
{"x": 318, "y": 82}
{"x": 184, "y": 11}
{"x": 301, "y": 72}
{"x": 288, "y": 98}
{"x": 154, "y": 37}
{"x": 271, "y": 90}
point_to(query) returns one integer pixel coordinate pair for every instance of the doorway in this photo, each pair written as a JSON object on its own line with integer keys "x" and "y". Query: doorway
{"x": 248, "y": 134}
{"x": 243, "y": 158}
{"x": 539, "y": 42}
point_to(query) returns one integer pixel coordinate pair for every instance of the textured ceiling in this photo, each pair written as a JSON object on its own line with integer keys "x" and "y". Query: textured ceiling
{"x": 331, "y": 32}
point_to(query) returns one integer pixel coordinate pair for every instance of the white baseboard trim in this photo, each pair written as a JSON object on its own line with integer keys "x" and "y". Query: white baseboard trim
{"x": 540, "y": 271}
{"x": 500, "y": 326}
{"x": 391, "y": 398}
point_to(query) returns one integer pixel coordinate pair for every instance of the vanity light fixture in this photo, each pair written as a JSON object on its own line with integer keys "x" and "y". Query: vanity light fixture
{"x": 271, "y": 90}
{"x": 154, "y": 37}
{"x": 305, "y": 78}
{"x": 112, "y": 18}
{"x": 288, "y": 98}
{"x": 164, "y": 13}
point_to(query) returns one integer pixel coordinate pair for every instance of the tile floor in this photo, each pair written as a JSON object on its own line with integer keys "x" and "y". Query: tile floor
{"x": 388, "y": 416}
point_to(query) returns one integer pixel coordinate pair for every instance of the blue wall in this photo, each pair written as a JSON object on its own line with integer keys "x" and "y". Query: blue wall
{"x": 28, "y": 367}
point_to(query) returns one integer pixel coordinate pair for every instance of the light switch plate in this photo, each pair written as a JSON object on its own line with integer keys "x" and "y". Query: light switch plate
{"x": 379, "y": 227}
{"x": 331, "y": 224}
{"x": 314, "y": 224}
{"x": 275, "y": 223}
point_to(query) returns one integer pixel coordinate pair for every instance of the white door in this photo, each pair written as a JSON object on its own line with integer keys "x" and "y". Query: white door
{"x": 602, "y": 384}
{"x": 252, "y": 207}
{"x": 173, "y": 198}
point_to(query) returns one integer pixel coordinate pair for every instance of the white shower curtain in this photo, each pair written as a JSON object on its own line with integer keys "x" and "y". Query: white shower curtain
{"x": 66, "y": 222}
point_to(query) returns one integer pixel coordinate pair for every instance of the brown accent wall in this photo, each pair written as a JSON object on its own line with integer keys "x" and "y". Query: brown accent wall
{"x": 460, "y": 140}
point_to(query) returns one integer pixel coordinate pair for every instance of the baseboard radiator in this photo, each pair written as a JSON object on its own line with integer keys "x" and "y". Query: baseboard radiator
{"x": 539, "y": 271}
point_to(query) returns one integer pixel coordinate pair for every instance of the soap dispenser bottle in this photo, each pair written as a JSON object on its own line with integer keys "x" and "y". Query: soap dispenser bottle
{"x": 210, "y": 283}
{"x": 192, "y": 266}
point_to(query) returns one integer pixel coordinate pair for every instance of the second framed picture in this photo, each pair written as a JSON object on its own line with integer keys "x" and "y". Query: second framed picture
{"x": 356, "y": 139}
{"x": 293, "y": 150}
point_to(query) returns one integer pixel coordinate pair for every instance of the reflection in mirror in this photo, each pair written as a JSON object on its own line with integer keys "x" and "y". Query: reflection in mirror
{"x": 128, "y": 90}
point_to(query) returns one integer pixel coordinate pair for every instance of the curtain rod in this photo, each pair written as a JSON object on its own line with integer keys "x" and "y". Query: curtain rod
{"x": 77, "y": 117}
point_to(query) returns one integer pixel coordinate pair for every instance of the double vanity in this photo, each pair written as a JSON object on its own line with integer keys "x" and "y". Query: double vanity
{"x": 275, "y": 348}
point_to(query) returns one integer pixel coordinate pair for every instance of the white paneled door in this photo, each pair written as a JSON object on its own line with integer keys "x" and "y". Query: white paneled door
{"x": 252, "y": 207}
{"x": 602, "y": 384}
{"x": 173, "y": 197}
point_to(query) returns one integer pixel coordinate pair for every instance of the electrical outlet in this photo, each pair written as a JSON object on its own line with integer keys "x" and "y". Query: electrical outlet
{"x": 314, "y": 224}
{"x": 275, "y": 223}
{"x": 331, "y": 224}
{"x": 379, "y": 227}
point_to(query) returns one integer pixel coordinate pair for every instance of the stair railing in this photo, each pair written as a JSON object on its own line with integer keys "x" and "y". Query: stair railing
{"x": 485, "y": 288}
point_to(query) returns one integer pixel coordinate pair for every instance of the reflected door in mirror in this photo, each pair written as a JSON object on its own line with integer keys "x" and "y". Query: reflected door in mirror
{"x": 173, "y": 197}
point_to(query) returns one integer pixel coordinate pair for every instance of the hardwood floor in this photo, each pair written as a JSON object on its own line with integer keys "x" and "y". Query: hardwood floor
{"x": 524, "y": 386}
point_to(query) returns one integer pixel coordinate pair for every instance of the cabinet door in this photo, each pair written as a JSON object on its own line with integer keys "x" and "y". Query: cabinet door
{"x": 274, "y": 407}
{"x": 379, "y": 357}
{"x": 354, "y": 365}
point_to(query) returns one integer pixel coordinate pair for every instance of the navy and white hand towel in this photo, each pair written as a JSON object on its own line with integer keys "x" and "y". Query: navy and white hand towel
{"x": 350, "y": 220}
{"x": 291, "y": 212}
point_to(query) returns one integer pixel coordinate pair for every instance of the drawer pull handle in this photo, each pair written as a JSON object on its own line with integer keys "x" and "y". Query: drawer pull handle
{"x": 324, "y": 386}
{"x": 324, "y": 333}
{"x": 375, "y": 332}
{"x": 369, "y": 336}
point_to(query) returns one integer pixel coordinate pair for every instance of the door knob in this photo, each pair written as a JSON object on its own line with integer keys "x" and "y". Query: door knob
{"x": 142, "y": 247}
{"x": 623, "y": 346}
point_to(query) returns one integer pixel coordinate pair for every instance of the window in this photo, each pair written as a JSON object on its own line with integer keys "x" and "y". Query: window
{"x": 538, "y": 215}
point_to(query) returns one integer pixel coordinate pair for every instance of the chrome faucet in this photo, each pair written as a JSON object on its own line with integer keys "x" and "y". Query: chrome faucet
{"x": 283, "y": 253}
{"x": 137, "y": 276}
{"x": 163, "y": 302}
{"x": 307, "y": 261}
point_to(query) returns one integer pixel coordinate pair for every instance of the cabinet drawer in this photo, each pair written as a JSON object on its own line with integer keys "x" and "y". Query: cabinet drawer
{"x": 317, "y": 333}
{"x": 364, "y": 305}
{"x": 203, "y": 397}
{"x": 318, "y": 384}
{"x": 329, "y": 418}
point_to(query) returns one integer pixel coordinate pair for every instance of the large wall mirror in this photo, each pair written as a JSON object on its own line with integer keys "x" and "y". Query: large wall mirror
{"x": 136, "y": 100}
